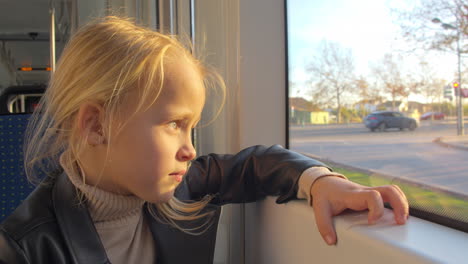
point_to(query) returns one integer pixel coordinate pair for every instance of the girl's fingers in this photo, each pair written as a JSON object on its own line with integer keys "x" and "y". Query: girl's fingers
{"x": 323, "y": 219}
{"x": 399, "y": 190}
{"x": 355, "y": 197}
{"x": 374, "y": 204}
{"x": 397, "y": 200}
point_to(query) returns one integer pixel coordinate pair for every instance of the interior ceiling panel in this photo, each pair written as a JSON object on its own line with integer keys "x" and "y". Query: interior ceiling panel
{"x": 24, "y": 30}
{"x": 24, "y": 16}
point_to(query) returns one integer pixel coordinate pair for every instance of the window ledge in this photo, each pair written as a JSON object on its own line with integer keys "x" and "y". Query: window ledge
{"x": 287, "y": 233}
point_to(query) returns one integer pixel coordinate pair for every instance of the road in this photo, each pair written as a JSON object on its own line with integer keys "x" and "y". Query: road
{"x": 403, "y": 154}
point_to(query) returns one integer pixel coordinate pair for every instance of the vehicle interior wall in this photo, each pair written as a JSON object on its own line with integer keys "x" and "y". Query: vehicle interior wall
{"x": 215, "y": 32}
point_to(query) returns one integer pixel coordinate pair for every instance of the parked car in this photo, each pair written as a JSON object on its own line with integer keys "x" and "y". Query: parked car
{"x": 428, "y": 116}
{"x": 382, "y": 120}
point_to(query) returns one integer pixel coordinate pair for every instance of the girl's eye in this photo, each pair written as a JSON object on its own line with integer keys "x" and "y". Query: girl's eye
{"x": 173, "y": 125}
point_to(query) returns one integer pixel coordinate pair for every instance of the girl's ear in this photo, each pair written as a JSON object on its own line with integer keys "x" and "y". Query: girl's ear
{"x": 90, "y": 123}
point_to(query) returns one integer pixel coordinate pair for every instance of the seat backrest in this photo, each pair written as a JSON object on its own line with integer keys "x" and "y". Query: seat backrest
{"x": 21, "y": 99}
{"x": 14, "y": 187}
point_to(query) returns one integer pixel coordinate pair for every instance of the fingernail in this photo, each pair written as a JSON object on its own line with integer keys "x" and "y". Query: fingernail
{"x": 401, "y": 219}
{"x": 329, "y": 239}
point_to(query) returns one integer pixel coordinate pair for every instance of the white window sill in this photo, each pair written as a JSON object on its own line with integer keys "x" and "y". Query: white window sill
{"x": 287, "y": 234}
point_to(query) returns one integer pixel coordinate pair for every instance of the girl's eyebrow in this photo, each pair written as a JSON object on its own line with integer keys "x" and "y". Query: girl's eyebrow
{"x": 183, "y": 115}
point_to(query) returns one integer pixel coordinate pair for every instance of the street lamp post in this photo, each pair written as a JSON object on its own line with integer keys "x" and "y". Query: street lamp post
{"x": 460, "y": 125}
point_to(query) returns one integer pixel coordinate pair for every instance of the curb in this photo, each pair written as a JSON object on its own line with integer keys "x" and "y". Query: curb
{"x": 439, "y": 141}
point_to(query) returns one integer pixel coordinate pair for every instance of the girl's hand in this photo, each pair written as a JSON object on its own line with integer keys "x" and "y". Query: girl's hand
{"x": 332, "y": 195}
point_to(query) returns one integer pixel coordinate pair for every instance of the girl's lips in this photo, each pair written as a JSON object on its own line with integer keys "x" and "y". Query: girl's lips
{"x": 178, "y": 178}
{"x": 178, "y": 175}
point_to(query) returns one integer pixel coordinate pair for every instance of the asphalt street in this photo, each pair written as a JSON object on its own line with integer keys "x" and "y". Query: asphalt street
{"x": 411, "y": 155}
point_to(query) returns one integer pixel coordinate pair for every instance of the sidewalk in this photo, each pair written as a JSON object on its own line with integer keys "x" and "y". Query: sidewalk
{"x": 457, "y": 142}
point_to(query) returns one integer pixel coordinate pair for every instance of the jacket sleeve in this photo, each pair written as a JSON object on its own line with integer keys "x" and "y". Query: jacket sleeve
{"x": 10, "y": 252}
{"x": 250, "y": 175}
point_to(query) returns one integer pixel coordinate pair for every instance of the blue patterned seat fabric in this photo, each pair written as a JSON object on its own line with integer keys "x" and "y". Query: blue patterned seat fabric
{"x": 14, "y": 186}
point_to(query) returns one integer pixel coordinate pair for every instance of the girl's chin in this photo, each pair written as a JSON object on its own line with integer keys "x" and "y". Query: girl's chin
{"x": 161, "y": 198}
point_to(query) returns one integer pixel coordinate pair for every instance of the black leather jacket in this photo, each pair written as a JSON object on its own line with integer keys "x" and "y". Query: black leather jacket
{"x": 51, "y": 227}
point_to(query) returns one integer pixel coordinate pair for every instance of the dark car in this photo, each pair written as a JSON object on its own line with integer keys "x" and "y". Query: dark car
{"x": 389, "y": 119}
{"x": 429, "y": 115}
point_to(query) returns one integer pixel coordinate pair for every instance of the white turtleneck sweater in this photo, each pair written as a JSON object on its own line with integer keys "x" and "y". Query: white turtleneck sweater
{"x": 120, "y": 223}
{"x": 123, "y": 229}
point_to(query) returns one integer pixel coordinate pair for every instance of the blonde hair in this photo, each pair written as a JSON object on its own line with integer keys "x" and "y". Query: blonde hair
{"x": 103, "y": 63}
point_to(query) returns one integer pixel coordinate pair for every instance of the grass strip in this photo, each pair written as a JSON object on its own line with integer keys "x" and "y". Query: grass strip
{"x": 421, "y": 198}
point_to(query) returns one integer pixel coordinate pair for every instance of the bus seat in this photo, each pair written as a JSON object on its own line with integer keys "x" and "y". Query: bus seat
{"x": 14, "y": 186}
{"x": 21, "y": 99}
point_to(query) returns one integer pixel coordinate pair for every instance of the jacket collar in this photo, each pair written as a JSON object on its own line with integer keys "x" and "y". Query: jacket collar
{"x": 76, "y": 224}
{"x": 176, "y": 246}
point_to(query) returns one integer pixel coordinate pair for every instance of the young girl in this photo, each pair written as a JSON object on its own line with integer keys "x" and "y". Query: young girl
{"x": 113, "y": 135}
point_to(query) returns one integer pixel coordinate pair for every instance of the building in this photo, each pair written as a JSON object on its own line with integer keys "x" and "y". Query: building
{"x": 304, "y": 112}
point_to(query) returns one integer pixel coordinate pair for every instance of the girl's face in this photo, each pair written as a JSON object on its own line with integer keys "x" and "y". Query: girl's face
{"x": 150, "y": 155}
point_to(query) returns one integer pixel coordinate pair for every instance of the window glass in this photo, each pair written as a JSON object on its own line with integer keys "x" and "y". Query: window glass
{"x": 348, "y": 59}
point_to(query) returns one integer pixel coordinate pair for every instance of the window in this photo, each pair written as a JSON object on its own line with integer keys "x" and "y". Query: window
{"x": 348, "y": 59}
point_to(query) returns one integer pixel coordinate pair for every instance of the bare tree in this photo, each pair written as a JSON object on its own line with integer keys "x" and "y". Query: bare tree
{"x": 431, "y": 87}
{"x": 368, "y": 92}
{"x": 293, "y": 89}
{"x": 416, "y": 24}
{"x": 363, "y": 87}
{"x": 389, "y": 73}
{"x": 332, "y": 74}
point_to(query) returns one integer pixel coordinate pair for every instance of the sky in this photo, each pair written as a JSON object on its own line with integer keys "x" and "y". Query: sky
{"x": 366, "y": 27}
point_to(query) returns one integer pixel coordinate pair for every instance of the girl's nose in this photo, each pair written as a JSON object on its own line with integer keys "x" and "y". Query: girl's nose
{"x": 187, "y": 152}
